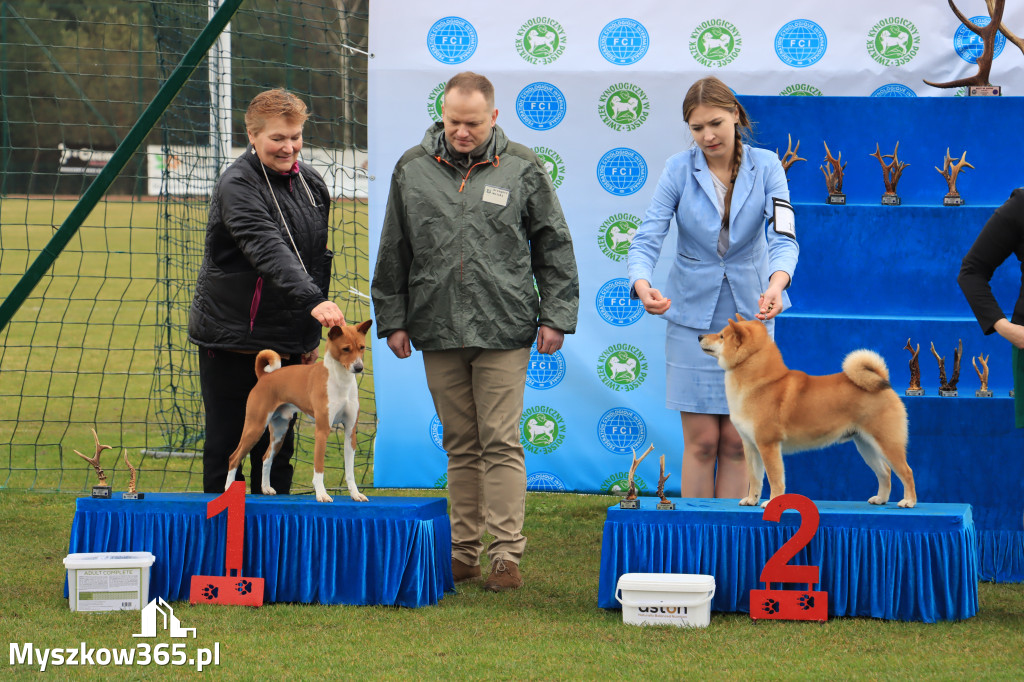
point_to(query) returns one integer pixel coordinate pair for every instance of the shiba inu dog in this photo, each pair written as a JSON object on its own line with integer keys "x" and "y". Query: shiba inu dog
{"x": 777, "y": 410}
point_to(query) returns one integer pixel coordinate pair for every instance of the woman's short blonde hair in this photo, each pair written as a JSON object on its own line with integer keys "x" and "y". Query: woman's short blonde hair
{"x": 272, "y": 104}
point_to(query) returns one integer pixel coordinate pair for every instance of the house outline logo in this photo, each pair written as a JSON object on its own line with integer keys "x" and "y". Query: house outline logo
{"x": 170, "y": 622}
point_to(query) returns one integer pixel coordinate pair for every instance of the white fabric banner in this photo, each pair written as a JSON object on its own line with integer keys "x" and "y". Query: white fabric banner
{"x": 596, "y": 88}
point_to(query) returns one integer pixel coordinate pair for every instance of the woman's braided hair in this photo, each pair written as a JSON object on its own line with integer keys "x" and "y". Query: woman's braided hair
{"x": 713, "y": 92}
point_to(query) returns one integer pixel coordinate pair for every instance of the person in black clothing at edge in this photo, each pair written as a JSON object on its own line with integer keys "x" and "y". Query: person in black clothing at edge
{"x": 263, "y": 282}
{"x": 1002, "y": 236}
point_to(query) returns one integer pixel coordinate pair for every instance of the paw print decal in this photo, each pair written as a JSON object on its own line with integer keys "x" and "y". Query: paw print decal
{"x": 806, "y": 602}
{"x": 770, "y": 606}
{"x": 244, "y": 586}
{"x": 210, "y": 592}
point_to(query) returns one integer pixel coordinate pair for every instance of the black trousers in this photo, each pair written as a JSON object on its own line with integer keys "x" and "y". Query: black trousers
{"x": 226, "y": 379}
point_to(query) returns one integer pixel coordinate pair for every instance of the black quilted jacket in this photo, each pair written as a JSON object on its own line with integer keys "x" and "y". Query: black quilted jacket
{"x": 252, "y": 291}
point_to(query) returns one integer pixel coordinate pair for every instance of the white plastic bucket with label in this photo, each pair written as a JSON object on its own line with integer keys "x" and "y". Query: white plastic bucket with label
{"x": 679, "y": 599}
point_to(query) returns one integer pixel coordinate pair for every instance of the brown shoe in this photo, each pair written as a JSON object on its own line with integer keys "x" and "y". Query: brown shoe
{"x": 463, "y": 572}
{"x": 504, "y": 576}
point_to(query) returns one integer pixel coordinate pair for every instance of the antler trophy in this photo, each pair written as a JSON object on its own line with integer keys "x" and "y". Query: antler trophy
{"x": 130, "y": 494}
{"x": 978, "y": 83}
{"x": 790, "y": 157}
{"x": 949, "y": 171}
{"x": 948, "y": 389}
{"x": 982, "y": 392}
{"x": 834, "y": 177}
{"x": 102, "y": 489}
{"x": 631, "y": 501}
{"x": 891, "y": 173}
{"x": 664, "y": 503}
{"x": 915, "y": 370}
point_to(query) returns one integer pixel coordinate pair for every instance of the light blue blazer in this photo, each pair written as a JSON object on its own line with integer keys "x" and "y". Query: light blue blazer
{"x": 756, "y": 250}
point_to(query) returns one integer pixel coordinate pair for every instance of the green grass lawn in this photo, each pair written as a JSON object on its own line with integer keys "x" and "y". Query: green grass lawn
{"x": 551, "y": 629}
{"x": 101, "y": 342}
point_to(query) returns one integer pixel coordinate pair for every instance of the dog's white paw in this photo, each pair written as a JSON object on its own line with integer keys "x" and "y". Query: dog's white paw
{"x": 907, "y": 504}
{"x": 358, "y": 496}
{"x": 765, "y": 504}
{"x": 323, "y": 497}
{"x": 878, "y": 500}
{"x": 749, "y": 501}
{"x": 267, "y": 490}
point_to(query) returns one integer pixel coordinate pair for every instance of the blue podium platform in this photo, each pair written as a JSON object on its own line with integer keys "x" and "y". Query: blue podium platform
{"x": 390, "y": 550}
{"x": 915, "y": 564}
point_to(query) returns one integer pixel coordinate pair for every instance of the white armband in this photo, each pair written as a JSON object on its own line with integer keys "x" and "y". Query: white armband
{"x": 783, "y": 219}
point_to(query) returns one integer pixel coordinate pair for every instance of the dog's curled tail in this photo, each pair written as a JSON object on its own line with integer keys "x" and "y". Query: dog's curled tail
{"x": 867, "y": 369}
{"x": 266, "y": 362}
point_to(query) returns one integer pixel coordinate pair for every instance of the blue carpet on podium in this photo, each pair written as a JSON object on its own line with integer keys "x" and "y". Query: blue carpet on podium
{"x": 390, "y": 550}
{"x": 915, "y": 564}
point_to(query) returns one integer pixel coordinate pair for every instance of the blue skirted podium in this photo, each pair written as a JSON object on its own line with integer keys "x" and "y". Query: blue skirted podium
{"x": 390, "y": 550}
{"x": 917, "y": 564}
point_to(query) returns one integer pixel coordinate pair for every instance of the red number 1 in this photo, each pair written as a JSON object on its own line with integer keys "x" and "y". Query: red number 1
{"x": 230, "y": 588}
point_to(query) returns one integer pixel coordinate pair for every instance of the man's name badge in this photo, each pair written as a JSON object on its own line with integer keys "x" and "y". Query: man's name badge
{"x": 495, "y": 195}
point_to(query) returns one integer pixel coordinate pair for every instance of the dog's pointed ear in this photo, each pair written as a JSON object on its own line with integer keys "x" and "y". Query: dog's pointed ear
{"x": 364, "y": 327}
{"x": 740, "y": 318}
{"x": 334, "y": 333}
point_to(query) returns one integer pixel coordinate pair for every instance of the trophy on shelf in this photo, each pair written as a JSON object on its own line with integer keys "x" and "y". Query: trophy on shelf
{"x": 915, "y": 370}
{"x": 790, "y": 157}
{"x": 891, "y": 173}
{"x": 102, "y": 489}
{"x": 131, "y": 494}
{"x": 834, "y": 177}
{"x": 665, "y": 503}
{"x": 949, "y": 171}
{"x": 978, "y": 85}
{"x": 982, "y": 392}
{"x": 948, "y": 389}
{"x": 631, "y": 501}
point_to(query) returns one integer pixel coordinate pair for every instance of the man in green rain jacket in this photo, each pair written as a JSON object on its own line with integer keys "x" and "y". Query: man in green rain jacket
{"x": 472, "y": 222}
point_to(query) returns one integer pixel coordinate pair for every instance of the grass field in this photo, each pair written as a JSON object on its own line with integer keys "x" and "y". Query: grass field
{"x": 101, "y": 343}
{"x": 551, "y": 629}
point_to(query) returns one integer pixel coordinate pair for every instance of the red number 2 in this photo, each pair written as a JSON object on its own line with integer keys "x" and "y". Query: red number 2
{"x": 777, "y": 569}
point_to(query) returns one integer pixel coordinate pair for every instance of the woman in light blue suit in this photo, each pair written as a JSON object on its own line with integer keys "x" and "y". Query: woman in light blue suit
{"x": 736, "y": 251}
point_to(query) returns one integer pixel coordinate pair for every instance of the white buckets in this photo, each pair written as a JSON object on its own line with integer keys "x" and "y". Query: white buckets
{"x": 679, "y": 599}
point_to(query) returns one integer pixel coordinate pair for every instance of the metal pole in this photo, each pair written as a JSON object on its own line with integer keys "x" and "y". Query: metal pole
{"x": 117, "y": 162}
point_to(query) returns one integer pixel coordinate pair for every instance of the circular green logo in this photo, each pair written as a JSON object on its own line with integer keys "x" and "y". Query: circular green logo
{"x": 893, "y": 41}
{"x": 623, "y": 107}
{"x": 622, "y": 367}
{"x": 552, "y": 164}
{"x": 801, "y": 90}
{"x": 434, "y": 101}
{"x": 541, "y": 430}
{"x": 616, "y": 234}
{"x": 618, "y": 483}
{"x": 540, "y": 40}
{"x": 715, "y": 43}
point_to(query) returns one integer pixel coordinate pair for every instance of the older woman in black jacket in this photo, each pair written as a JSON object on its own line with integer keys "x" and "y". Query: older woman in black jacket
{"x": 263, "y": 282}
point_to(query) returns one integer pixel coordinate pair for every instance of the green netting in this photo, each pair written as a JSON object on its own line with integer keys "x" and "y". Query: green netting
{"x": 100, "y": 342}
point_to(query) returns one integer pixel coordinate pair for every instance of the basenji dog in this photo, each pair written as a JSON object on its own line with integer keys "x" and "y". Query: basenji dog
{"x": 777, "y": 410}
{"x": 326, "y": 391}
